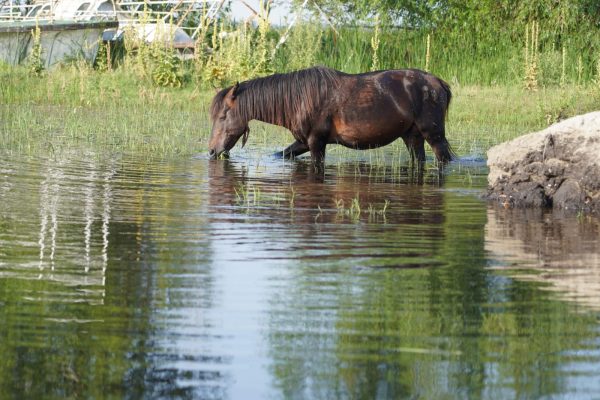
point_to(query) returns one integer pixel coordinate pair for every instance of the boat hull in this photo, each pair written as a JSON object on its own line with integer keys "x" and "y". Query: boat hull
{"x": 60, "y": 40}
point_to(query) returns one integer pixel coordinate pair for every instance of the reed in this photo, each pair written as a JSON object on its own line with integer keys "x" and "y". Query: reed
{"x": 375, "y": 46}
{"x": 36, "y": 60}
{"x": 532, "y": 34}
{"x": 355, "y": 211}
{"x": 428, "y": 52}
{"x": 563, "y": 73}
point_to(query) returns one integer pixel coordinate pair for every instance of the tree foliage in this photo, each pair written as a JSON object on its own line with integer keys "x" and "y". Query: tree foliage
{"x": 561, "y": 15}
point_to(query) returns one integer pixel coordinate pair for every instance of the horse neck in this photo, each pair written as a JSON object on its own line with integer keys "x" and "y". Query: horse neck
{"x": 266, "y": 113}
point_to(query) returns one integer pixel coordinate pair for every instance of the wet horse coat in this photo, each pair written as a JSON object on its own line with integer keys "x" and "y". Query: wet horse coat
{"x": 322, "y": 106}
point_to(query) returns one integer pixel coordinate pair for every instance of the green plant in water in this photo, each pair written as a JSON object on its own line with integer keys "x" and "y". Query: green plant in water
{"x": 374, "y": 212}
{"x": 248, "y": 196}
{"x": 353, "y": 212}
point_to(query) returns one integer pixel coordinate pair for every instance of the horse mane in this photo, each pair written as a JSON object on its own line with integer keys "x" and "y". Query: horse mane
{"x": 290, "y": 100}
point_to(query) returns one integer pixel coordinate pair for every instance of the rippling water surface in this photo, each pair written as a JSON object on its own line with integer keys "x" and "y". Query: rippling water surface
{"x": 255, "y": 278}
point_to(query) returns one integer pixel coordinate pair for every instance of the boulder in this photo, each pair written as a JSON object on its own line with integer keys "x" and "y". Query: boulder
{"x": 557, "y": 167}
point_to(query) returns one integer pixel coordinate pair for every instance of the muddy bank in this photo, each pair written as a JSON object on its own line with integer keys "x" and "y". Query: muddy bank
{"x": 557, "y": 167}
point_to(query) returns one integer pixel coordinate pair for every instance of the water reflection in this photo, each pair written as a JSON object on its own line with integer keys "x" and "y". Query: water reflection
{"x": 112, "y": 258}
{"x": 341, "y": 215}
{"x": 66, "y": 192}
{"x": 562, "y": 251}
{"x": 122, "y": 277}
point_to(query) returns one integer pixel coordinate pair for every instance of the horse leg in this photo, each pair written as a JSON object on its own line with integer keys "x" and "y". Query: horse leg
{"x": 293, "y": 150}
{"x": 415, "y": 143}
{"x": 317, "y": 145}
{"x": 434, "y": 133}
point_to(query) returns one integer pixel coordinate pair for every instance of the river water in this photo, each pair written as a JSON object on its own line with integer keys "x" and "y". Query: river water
{"x": 124, "y": 277}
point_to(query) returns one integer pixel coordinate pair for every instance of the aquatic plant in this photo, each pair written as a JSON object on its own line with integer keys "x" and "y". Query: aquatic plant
{"x": 354, "y": 211}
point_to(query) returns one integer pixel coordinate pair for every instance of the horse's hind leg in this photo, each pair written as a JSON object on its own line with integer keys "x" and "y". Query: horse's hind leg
{"x": 415, "y": 143}
{"x": 293, "y": 150}
{"x": 434, "y": 133}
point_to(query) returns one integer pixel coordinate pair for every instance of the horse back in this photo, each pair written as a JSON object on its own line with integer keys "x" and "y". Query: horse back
{"x": 373, "y": 109}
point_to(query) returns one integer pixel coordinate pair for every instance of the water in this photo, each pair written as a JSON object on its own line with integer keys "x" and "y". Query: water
{"x": 252, "y": 278}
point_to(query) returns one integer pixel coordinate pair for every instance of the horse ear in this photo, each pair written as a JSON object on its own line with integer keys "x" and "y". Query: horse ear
{"x": 232, "y": 95}
{"x": 234, "y": 90}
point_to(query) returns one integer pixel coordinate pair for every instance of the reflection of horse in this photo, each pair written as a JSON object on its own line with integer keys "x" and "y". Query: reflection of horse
{"x": 411, "y": 200}
{"x": 322, "y": 106}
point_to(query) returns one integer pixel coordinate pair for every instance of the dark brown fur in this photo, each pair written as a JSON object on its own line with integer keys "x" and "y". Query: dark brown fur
{"x": 323, "y": 106}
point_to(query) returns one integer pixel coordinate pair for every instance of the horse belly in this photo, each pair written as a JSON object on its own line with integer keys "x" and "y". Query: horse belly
{"x": 372, "y": 128}
{"x": 373, "y": 115}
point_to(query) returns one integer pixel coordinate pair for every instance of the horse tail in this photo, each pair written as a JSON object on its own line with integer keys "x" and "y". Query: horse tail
{"x": 448, "y": 152}
{"x": 446, "y": 88}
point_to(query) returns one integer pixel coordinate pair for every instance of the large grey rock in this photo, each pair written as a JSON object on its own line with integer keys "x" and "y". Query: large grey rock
{"x": 558, "y": 167}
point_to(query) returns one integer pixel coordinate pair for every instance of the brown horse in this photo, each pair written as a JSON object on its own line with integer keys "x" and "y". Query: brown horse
{"x": 322, "y": 106}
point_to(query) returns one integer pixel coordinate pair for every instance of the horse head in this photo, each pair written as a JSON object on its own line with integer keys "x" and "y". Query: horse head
{"x": 228, "y": 126}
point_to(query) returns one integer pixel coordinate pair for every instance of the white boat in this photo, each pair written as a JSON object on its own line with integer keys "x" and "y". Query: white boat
{"x": 75, "y": 28}
{"x": 67, "y": 30}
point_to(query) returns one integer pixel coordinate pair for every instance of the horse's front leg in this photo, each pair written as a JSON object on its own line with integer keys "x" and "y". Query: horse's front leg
{"x": 293, "y": 150}
{"x": 316, "y": 145}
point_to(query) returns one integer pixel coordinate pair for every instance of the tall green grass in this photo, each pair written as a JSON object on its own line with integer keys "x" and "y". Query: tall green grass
{"x": 229, "y": 52}
{"x": 459, "y": 57}
{"x": 149, "y": 101}
{"x": 78, "y": 107}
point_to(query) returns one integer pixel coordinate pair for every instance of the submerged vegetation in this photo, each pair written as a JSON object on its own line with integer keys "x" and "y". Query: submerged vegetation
{"x": 143, "y": 98}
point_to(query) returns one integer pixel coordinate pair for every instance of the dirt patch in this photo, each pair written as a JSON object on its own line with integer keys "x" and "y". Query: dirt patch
{"x": 558, "y": 167}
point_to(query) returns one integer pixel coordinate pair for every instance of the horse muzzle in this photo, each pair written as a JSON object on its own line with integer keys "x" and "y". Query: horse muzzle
{"x": 214, "y": 155}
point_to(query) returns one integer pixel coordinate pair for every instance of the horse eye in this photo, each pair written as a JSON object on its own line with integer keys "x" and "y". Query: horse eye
{"x": 222, "y": 118}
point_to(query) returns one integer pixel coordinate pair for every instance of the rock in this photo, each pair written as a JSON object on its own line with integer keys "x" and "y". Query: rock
{"x": 557, "y": 167}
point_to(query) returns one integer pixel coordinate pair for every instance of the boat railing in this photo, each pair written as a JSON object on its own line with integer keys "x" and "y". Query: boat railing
{"x": 47, "y": 12}
{"x": 176, "y": 12}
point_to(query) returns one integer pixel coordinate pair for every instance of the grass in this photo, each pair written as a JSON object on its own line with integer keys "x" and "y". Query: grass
{"x": 149, "y": 103}
{"x": 77, "y": 107}
{"x": 113, "y": 111}
{"x": 485, "y": 116}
